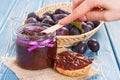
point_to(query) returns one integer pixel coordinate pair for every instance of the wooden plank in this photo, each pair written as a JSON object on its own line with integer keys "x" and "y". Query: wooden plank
{"x": 7, "y": 32}
{"x": 113, "y": 29}
{"x": 105, "y": 53}
{"x": 109, "y": 66}
{"x": 14, "y": 20}
{"x": 5, "y": 8}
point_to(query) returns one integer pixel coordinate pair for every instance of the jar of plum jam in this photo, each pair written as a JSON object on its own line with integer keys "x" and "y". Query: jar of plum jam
{"x": 35, "y": 50}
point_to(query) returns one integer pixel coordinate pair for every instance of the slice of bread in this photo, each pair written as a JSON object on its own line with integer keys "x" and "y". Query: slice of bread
{"x": 69, "y": 66}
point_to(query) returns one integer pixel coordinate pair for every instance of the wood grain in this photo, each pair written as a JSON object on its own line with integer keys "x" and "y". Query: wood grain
{"x": 113, "y": 30}
{"x": 12, "y": 13}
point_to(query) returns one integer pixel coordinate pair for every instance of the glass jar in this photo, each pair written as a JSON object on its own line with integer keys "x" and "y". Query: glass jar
{"x": 35, "y": 50}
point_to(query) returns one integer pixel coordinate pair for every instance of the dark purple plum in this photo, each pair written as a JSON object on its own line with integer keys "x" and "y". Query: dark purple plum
{"x": 32, "y": 14}
{"x": 84, "y": 24}
{"x": 48, "y": 21}
{"x": 43, "y": 17}
{"x": 81, "y": 47}
{"x": 60, "y": 11}
{"x": 75, "y": 31}
{"x": 91, "y": 27}
{"x": 48, "y": 14}
{"x": 93, "y": 45}
{"x": 96, "y": 23}
{"x": 31, "y": 20}
{"x": 90, "y": 23}
{"x": 62, "y": 31}
{"x": 73, "y": 48}
{"x": 69, "y": 26}
{"x": 44, "y": 24}
{"x": 86, "y": 27}
{"x": 57, "y": 17}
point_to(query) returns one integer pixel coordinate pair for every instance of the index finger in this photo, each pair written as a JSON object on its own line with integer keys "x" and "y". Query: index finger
{"x": 76, "y": 3}
{"x": 82, "y": 9}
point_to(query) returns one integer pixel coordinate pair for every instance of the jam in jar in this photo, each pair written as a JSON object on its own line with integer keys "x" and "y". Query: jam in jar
{"x": 35, "y": 50}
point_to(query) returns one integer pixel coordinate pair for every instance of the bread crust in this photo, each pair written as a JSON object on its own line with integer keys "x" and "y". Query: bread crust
{"x": 73, "y": 73}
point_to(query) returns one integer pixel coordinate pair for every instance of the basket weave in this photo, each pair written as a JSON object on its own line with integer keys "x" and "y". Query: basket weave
{"x": 65, "y": 41}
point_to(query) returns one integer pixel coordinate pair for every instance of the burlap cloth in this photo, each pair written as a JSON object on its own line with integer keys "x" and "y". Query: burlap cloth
{"x": 45, "y": 74}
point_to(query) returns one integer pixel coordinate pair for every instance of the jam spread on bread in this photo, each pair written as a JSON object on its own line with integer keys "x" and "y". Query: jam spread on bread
{"x": 69, "y": 60}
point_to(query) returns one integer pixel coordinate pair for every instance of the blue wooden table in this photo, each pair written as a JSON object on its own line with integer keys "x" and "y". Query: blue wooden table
{"x": 12, "y": 13}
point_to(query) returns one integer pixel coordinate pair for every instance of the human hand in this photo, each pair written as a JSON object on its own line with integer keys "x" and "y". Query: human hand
{"x": 105, "y": 10}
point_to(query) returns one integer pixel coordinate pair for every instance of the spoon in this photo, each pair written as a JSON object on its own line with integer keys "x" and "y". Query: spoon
{"x": 52, "y": 28}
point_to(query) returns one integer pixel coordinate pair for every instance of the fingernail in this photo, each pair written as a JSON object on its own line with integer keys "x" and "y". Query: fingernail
{"x": 84, "y": 18}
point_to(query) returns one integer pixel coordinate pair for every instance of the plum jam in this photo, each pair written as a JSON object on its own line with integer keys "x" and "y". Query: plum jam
{"x": 35, "y": 50}
{"x": 69, "y": 60}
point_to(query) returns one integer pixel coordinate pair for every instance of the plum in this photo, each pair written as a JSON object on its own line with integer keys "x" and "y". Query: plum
{"x": 48, "y": 14}
{"x": 96, "y": 23}
{"x": 93, "y": 45}
{"x": 32, "y": 14}
{"x": 90, "y": 23}
{"x": 62, "y": 31}
{"x": 69, "y": 26}
{"x": 60, "y": 11}
{"x": 31, "y": 20}
{"x": 81, "y": 47}
{"x": 75, "y": 31}
{"x": 48, "y": 21}
{"x": 86, "y": 27}
{"x": 57, "y": 17}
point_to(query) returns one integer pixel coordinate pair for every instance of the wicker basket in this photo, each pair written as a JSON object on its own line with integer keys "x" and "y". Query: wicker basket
{"x": 65, "y": 41}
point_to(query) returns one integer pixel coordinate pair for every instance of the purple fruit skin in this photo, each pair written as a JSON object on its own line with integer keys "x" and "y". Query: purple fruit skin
{"x": 75, "y": 31}
{"x": 93, "y": 45}
{"x": 30, "y": 20}
{"x": 62, "y": 31}
{"x": 32, "y": 14}
{"x": 86, "y": 27}
{"x": 57, "y": 17}
{"x": 60, "y": 11}
{"x": 48, "y": 21}
{"x": 81, "y": 47}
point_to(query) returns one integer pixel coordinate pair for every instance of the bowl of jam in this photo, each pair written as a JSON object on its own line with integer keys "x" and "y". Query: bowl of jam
{"x": 35, "y": 50}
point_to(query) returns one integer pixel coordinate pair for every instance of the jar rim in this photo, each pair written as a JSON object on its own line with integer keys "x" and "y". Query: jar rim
{"x": 32, "y": 26}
